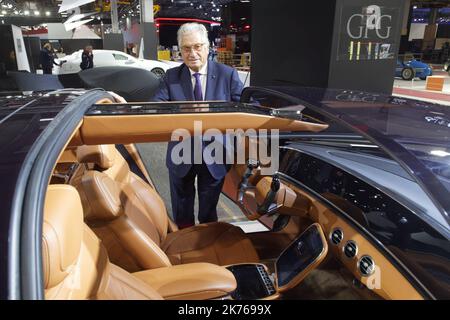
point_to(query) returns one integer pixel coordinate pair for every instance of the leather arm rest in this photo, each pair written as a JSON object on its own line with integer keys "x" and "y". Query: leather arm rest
{"x": 192, "y": 281}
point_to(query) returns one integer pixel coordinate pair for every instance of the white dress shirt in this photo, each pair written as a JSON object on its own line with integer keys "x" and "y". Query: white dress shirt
{"x": 203, "y": 78}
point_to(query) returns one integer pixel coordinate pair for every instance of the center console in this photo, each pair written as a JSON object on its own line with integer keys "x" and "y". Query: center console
{"x": 253, "y": 281}
{"x": 292, "y": 266}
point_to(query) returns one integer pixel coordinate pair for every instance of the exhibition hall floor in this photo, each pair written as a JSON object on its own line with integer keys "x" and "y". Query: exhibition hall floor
{"x": 415, "y": 89}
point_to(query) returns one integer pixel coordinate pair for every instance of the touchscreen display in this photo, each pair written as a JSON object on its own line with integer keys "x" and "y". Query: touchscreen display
{"x": 301, "y": 252}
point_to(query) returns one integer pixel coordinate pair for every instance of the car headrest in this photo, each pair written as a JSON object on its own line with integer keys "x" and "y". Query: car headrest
{"x": 62, "y": 233}
{"x": 103, "y": 196}
{"x": 101, "y": 155}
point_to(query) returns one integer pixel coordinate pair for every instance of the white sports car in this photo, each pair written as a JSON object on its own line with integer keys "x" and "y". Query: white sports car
{"x": 104, "y": 58}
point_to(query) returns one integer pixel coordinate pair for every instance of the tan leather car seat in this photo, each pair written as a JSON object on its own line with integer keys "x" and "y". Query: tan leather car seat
{"x": 75, "y": 264}
{"x": 131, "y": 219}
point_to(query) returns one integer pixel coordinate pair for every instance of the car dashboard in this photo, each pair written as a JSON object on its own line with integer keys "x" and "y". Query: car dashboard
{"x": 376, "y": 218}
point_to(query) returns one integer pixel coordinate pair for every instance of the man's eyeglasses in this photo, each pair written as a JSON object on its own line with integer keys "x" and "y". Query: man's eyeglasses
{"x": 196, "y": 47}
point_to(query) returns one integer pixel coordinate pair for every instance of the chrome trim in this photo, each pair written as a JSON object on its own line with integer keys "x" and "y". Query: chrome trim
{"x": 356, "y": 249}
{"x": 359, "y": 262}
{"x": 330, "y": 236}
{"x": 324, "y": 249}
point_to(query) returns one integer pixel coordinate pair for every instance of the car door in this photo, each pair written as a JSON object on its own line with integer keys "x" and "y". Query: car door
{"x": 122, "y": 60}
{"x": 103, "y": 58}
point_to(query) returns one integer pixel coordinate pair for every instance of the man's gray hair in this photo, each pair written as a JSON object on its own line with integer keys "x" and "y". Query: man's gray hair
{"x": 193, "y": 27}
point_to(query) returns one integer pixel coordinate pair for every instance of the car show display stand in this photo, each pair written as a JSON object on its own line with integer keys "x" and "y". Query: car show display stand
{"x": 435, "y": 83}
{"x": 349, "y": 44}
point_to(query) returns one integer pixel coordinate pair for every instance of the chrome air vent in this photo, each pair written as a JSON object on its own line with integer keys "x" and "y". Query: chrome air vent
{"x": 366, "y": 266}
{"x": 336, "y": 236}
{"x": 350, "y": 249}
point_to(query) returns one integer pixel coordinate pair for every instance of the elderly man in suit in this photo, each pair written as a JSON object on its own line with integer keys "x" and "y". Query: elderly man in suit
{"x": 196, "y": 79}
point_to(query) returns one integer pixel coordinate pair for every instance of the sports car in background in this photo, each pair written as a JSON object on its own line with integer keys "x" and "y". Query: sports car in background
{"x": 357, "y": 207}
{"x": 111, "y": 58}
{"x": 412, "y": 69}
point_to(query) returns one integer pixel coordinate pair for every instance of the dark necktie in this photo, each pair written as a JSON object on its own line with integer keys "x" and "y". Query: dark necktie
{"x": 198, "y": 88}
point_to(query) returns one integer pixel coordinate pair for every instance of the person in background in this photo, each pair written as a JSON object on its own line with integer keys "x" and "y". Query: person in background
{"x": 197, "y": 79}
{"x": 87, "y": 58}
{"x": 128, "y": 48}
{"x": 60, "y": 52}
{"x": 134, "y": 52}
{"x": 47, "y": 59}
{"x": 11, "y": 63}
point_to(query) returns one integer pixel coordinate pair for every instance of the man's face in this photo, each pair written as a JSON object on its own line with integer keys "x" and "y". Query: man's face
{"x": 193, "y": 51}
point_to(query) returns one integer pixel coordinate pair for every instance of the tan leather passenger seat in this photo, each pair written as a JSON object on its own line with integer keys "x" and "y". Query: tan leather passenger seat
{"x": 131, "y": 219}
{"x": 76, "y": 265}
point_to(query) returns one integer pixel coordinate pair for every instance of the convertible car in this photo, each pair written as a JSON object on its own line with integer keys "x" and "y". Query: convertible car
{"x": 357, "y": 206}
{"x": 412, "y": 69}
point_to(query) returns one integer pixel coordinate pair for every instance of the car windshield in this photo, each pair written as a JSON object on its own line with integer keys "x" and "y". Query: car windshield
{"x": 414, "y": 133}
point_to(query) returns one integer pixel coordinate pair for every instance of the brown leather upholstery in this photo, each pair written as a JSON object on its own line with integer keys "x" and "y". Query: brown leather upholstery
{"x": 102, "y": 155}
{"x": 220, "y": 243}
{"x": 131, "y": 219}
{"x": 197, "y": 281}
{"x": 75, "y": 264}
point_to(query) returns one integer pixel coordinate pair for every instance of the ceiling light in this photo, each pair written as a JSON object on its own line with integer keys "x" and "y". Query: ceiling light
{"x": 439, "y": 153}
{"x": 16, "y": 12}
{"x": 3, "y": 11}
{"x": 47, "y": 13}
{"x": 36, "y": 13}
{"x": 26, "y": 12}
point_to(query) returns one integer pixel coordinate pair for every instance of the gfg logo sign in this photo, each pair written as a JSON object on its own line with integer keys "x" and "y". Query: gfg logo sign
{"x": 360, "y": 26}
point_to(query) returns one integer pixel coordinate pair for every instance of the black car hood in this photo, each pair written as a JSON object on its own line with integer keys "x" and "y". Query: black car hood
{"x": 134, "y": 84}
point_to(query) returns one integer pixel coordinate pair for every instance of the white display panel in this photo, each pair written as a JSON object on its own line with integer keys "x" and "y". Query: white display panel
{"x": 19, "y": 46}
{"x": 417, "y": 31}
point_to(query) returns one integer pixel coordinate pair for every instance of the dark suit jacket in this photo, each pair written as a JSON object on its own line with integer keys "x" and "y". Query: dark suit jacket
{"x": 222, "y": 83}
{"x": 87, "y": 61}
{"x": 46, "y": 59}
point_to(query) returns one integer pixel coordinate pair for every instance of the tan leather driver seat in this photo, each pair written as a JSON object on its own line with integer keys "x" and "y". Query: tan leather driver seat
{"x": 75, "y": 264}
{"x": 131, "y": 219}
